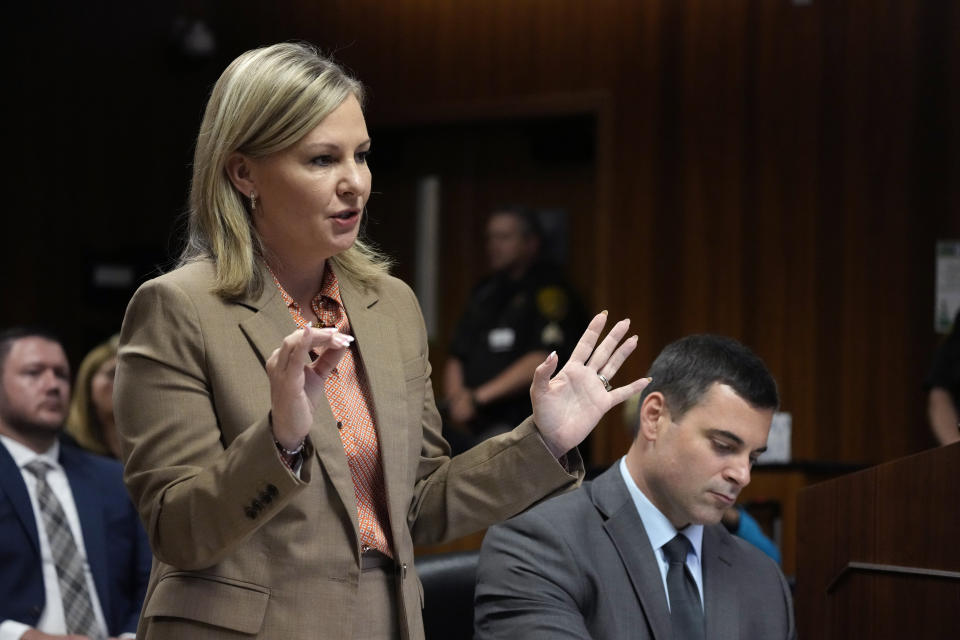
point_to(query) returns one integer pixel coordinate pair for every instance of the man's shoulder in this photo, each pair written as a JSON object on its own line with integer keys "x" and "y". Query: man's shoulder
{"x": 488, "y": 286}
{"x": 549, "y": 275}
{"x": 573, "y": 510}
{"x": 105, "y": 471}
{"x": 559, "y": 507}
{"x": 553, "y": 297}
{"x": 560, "y": 536}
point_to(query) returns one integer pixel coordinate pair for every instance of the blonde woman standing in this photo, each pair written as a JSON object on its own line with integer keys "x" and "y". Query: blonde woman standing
{"x": 274, "y": 396}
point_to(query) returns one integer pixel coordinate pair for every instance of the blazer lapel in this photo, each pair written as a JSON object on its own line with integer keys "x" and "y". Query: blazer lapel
{"x": 270, "y": 321}
{"x": 11, "y": 483}
{"x": 266, "y": 328}
{"x": 376, "y": 337}
{"x": 719, "y": 585}
{"x": 626, "y": 531}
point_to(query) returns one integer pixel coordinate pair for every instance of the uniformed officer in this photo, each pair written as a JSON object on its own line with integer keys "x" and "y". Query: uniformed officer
{"x": 515, "y": 317}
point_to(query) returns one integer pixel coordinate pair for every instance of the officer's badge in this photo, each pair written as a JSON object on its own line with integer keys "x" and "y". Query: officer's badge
{"x": 552, "y": 303}
{"x": 552, "y": 334}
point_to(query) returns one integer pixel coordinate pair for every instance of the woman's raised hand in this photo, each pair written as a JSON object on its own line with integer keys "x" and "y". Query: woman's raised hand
{"x": 296, "y": 383}
{"x": 567, "y": 407}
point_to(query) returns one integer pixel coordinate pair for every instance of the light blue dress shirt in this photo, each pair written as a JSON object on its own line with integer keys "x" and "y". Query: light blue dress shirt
{"x": 660, "y": 532}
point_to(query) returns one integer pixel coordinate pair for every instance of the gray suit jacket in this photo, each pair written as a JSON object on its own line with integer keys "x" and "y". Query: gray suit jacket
{"x": 581, "y": 566}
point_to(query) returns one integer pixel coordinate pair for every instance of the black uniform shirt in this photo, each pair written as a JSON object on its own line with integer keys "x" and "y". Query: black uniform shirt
{"x": 506, "y": 319}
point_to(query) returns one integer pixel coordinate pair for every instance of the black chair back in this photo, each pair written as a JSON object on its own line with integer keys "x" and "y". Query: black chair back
{"x": 448, "y": 582}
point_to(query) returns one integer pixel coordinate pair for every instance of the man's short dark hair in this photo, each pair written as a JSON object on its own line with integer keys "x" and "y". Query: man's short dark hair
{"x": 687, "y": 368}
{"x": 529, "y": 220}
{"x": 11, "y": 335}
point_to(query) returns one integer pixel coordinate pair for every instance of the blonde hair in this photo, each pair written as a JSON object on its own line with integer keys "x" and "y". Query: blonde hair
{"x": 82, "y": 421}
{"x": 266, "y": 101}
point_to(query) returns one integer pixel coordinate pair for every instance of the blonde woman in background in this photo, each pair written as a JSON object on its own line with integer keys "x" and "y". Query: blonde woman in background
{"x": 91, "y": 422}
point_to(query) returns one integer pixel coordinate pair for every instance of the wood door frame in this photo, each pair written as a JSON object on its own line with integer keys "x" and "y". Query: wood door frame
{"x": 600, "y": 105}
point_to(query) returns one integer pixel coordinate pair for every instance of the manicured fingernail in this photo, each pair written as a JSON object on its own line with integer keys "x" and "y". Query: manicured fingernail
{"x": 604, "y": 312}
{"x": 552, "y": 355}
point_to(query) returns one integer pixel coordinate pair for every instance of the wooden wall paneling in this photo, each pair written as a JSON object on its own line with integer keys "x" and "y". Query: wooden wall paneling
{"x": 666, "y": 224}
{"x": 779, "y": 187}
{"x": 855, "y": 205}
{"x": 781, "y": 171}
{"x": 642, "y": 273}
{"x": 98, "y": 161}
{"x": 828, "y": 243}
{"x": 629, "y": 282}
{"x": 902, "y": 424}
{"x": 934, "y": 169}
{"x": 787, "y": 146}
{"x": 712, "y": 131}
{"x": 611, "y": 261}
{"x": 875, "y": 141}
{"x": 828, "y": 377}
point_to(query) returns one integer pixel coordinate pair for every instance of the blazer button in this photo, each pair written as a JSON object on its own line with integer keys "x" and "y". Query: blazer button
{"x": 266, "y": 498}
{"x": 256, "y": 504}
{"x": 272, "y": 490}
{"x": 251, "y": 513}
{"x": 36, "y": 610}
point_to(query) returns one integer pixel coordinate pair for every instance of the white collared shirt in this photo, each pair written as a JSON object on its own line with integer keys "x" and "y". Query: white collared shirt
{"x": 52, "y": 620}
{"x": 660, "y": 532}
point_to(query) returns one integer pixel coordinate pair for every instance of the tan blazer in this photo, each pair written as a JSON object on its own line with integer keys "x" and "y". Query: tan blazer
{"x": 245, "y": 548}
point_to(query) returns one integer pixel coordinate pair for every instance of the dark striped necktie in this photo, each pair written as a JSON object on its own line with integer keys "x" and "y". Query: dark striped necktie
{"x": 77, "y": 605}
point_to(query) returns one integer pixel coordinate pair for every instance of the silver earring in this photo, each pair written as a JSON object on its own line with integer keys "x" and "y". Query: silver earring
{"x": 253, "y": 201}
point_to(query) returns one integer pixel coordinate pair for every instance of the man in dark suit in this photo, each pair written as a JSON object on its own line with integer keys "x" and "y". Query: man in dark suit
{"x": 75, "y": 559}
{"x": 640, "y": 551}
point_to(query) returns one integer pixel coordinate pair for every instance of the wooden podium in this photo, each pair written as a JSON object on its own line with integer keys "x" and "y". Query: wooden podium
{"x": 878, "y": 551}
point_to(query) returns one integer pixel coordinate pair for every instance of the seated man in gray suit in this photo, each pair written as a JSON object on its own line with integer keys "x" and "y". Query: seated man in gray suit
{"x": 640, "y": 551}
